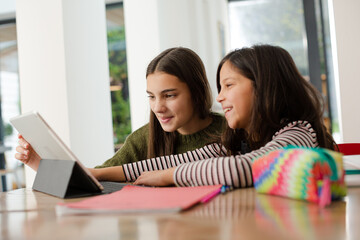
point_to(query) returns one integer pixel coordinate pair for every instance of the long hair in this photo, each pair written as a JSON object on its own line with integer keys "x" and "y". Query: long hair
{"x": 187, "y": 66}
{"x": 282, "y": 95}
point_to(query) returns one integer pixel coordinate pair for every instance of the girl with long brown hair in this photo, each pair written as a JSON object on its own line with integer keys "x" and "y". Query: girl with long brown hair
{"x": 180, "y": 118}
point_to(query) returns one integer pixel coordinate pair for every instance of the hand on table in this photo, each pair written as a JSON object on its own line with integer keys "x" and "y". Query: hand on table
{"x": 156, "y": 178}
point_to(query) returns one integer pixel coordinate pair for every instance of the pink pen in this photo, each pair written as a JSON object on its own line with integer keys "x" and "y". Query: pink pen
{"x": 210, "y": 196}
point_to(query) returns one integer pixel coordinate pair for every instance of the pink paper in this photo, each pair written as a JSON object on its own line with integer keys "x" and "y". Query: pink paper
{"x": 148, "y": 198}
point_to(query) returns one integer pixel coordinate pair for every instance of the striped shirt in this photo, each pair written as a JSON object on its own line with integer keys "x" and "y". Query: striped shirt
{"x": 217, "y": 168}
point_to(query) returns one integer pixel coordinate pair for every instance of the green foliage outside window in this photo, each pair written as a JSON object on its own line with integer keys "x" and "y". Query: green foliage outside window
{"x": 8, "y": 129}
{"x": 121, "y": 117}
{"x": 119, "y": 84}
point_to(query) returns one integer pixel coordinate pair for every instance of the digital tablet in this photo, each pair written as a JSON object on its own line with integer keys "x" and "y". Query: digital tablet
{"x": 60, "y": 172}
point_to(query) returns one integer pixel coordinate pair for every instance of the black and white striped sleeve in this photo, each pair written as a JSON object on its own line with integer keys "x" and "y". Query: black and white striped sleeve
{"x": 236, "y": 170}
{"x": 215, "y": 167}
{"x": 133, "y": 170}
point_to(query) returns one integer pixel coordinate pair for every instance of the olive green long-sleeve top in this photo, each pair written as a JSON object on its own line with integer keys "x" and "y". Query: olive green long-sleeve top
{"x": 136, "y": 144}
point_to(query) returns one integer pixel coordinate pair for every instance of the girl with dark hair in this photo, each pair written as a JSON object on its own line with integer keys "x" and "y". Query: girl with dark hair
{"x": 282, "y": 96}
{"x": 180, "y": 118}
{"x": 185, "y": 67}
{"x": 267, "y": 105}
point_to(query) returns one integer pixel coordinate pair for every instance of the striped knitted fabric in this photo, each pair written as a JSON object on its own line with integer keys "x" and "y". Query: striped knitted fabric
{"x": 210, "y": 165}
{"x": 312, "y": 174}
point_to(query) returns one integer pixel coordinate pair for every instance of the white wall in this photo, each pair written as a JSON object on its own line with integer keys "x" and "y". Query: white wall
{"x": 142, "y": 44}
{"x": 345, "y": 34}
{"x": 160, "y": 24}
{"x": 64, "y": 73}
{"x": 199, "y": 25}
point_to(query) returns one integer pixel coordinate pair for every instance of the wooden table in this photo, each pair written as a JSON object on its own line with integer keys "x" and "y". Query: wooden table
{"x": 241, "y": 214}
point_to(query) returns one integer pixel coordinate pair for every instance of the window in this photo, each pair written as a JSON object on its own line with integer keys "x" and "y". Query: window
{"x": 118, "y": 72}
{"x": 9, "y": 94}
{"x": 278, "y": 22}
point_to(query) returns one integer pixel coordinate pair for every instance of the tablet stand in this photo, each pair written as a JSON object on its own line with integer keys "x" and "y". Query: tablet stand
{"x": 64, "y": 179}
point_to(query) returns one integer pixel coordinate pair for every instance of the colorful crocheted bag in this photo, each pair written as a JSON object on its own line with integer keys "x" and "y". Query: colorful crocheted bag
{"x": 311, "y": 174}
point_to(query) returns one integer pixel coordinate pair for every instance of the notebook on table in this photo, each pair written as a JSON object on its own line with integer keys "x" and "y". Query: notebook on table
{"x": 138, "y": 199}
{"x": 60, "y": 172}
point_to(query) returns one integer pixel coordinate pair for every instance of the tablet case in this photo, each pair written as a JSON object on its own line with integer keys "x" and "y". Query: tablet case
{"x": 60, "y": 173}
{"x": 64, "y": 179}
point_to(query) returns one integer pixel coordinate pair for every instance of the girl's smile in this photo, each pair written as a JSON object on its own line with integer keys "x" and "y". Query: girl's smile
{"x": 236, "y": 96}
{"x": 171, "y": 101}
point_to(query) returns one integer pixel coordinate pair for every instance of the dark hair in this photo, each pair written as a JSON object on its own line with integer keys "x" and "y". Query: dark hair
{"x": 187, "y": 66}
{"x": 282, "y": 96}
